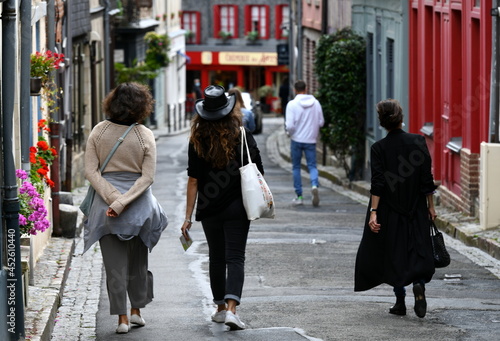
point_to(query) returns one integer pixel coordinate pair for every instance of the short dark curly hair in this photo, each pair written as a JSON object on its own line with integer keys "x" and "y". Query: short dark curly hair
{"x": 129, "y": 102}
{"x": 390, "y": 114}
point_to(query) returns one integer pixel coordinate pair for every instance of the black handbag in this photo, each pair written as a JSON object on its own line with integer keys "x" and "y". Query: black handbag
{"x": 441, "y": 255}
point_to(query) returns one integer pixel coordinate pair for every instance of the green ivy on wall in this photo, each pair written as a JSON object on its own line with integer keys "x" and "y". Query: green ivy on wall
{"x": 341, "y": 70}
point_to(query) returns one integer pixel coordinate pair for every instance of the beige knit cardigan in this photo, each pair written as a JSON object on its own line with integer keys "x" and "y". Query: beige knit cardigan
{"x": 137, "y": 154}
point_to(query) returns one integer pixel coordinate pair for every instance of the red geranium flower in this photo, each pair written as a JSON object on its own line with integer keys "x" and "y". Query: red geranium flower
{"x": 49, "y": 182}
{"x": 42, "y": 171}
{"x": 42, "y": 145}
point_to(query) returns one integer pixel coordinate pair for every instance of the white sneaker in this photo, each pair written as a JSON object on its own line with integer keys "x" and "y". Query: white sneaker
{"x": 233, "y": 321}
{"x": 123, "y": 328}
{"x": 219, "y": 316}
{"x": 138, "y": 320}
{"x": 298, "y": 201}
{"x": 315, "y": 196}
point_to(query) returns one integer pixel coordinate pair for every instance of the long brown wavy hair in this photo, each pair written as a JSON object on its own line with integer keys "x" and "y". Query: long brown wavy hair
{"x": 215, "y": 141}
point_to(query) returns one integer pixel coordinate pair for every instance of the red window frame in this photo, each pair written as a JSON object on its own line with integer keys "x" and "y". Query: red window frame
{"x": 188, "y": 23}
{"x": 263, "y": 17}
{"x": 219, "y": 25}
{"x": 279, "y": 20}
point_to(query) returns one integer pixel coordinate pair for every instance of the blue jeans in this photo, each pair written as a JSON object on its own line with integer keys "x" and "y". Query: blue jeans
{"x": 309, "y": 150}
{"x": 226, "y": 234}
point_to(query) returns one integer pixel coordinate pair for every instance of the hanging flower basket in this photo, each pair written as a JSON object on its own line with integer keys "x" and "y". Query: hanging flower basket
{"x": 42, "y": 64}
{"x": 35, "y": 86}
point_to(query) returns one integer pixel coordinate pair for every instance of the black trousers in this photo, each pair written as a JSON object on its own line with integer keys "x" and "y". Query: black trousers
{"x": 227, "y": 234}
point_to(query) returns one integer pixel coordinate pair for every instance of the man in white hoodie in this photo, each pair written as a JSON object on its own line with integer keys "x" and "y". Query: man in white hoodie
{"x": 304, "y": 118}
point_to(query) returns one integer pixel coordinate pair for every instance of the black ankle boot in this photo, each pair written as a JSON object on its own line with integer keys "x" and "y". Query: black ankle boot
{"x": 420, "y": 301}
{"x": 399, "y": 308}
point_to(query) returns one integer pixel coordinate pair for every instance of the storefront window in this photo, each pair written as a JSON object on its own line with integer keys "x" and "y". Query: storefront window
{"x": 227, "y": 79}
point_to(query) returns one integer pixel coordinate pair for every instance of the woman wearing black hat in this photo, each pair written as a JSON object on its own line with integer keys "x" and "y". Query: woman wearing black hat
{"x": 214, "y": 187}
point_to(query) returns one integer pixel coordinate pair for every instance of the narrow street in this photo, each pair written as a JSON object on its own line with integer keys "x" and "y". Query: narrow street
{"x": 299, "y": 274}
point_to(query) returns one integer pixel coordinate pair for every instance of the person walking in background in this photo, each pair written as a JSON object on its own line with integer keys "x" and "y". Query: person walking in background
{"x": 396, "y": 244}
{"x": 197, "y": 89}
{"x": 125, "y": 217}
{"x": 248, "y": 116}
{"x": 214, "y": 188}
{"x": 304, "y": 118}
{"x": 284, "y": 94}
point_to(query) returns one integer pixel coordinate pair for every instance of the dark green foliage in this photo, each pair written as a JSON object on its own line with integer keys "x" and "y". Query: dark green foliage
{"x": 157, "y": 51}
{"x": 136, "y": 73}
{"x": 341, "y": 71}
{"x": 158, "y": 46}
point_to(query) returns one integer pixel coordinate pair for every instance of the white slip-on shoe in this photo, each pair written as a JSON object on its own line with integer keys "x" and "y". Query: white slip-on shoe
{"x": 219, "y": 316}
{"x": 138, "y": 320}
{"x": 123, "y": 328}
{"x": 315, "y": 196}
{"x": 233, "y": 321}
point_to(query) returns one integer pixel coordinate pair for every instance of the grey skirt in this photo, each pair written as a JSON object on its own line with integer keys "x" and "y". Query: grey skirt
{"x": 144, "y": 217}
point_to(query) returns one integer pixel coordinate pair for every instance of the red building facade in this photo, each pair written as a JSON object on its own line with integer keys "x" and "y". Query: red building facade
{"x": 235, "y": 43}
{"x": 450, "y": 63}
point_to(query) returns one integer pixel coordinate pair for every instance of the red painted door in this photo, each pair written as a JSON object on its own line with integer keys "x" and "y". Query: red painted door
{"x": 452, "y": 97}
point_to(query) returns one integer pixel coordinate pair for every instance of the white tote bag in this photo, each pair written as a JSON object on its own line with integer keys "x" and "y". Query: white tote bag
{"x": 257, "y": 197}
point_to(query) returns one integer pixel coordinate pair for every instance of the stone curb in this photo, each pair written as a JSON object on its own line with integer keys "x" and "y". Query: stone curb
{"x": 455, "y": 224}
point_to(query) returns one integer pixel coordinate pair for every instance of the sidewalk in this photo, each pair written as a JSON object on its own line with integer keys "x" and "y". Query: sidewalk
{"x": 51, "y": 272}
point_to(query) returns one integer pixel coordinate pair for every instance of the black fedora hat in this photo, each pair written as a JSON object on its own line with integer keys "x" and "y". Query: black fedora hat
{"x": 216, "y": 104}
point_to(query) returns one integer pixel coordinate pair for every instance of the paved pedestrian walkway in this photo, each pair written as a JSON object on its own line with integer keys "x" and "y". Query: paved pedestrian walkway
{"x": 62, "y": 304}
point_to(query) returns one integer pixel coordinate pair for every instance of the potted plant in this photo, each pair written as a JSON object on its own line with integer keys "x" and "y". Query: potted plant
{"x": 225, "y": 36}
{"x": 252, "y": 36}
{"x": 42, "y": 64}
{"x": 189, "y": 36}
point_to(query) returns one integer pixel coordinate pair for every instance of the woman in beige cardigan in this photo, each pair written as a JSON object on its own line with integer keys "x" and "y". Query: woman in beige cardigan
{"x": 125, "y": 217}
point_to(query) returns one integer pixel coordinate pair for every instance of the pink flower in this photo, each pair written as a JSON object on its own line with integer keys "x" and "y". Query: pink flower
{"x": 22, "y": 220}
{"x": 21, "y": 174}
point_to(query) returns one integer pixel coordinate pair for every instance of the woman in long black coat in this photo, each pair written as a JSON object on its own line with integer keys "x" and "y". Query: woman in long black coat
{"x": 396, "y": 247}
